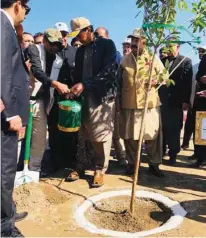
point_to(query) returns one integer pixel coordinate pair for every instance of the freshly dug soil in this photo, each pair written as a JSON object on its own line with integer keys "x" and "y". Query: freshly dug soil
{"x": 32, "y": 196}
{"x": 113, "y": 214}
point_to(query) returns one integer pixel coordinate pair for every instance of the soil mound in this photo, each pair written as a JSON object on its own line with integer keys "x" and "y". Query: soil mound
{"x": 113, "y": 214}
{"x": 32, "y": 196}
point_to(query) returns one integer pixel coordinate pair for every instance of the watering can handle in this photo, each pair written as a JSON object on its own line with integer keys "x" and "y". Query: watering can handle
{"x": 28, "y": 135}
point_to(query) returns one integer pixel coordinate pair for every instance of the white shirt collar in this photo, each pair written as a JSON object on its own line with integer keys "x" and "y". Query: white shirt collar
{"x": 8, "y": 16}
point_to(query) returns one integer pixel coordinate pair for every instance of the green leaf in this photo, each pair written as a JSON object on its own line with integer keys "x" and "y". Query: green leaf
{"x": 167, "y": 64}
{"x": 164, "y": 71}
{"x": 172, "y": 82}
{"x": 180, "y": 4}
{"x": 185, "y": 6}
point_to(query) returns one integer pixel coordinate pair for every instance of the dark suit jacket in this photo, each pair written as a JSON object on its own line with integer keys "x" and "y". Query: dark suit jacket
{"x": 179, "y": 93}
{"x": 201, "y": 72}
{"x": 14, "y": 78}
{"x": 200, "y": 102}
{"x": 103, "y": 80}
{"x": 67, "y": 70}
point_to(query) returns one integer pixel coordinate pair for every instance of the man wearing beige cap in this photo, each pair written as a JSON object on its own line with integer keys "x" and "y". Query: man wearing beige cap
{"x": 45, "y": 67}
{"x": 133, "y": 79}
{"x": 95, "y": 68}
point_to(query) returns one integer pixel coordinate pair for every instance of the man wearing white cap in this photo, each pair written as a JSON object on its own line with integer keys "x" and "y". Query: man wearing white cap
{"x": 95, "y": 70}
{"x": 63, "y": 28}
{"x": 62, "y": 145}
{"x": 126, "y": 45}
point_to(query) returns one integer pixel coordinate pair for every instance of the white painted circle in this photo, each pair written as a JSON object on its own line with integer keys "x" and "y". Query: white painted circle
{"x": 175, "y": 220}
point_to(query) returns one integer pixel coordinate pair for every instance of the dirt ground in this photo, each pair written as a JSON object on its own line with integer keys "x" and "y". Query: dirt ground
{"x": 114, "y": 214}
{"x": 51, "y": 203}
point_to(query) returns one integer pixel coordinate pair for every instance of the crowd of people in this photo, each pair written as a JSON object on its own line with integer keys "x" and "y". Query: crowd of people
{"x": 44, "y": 69}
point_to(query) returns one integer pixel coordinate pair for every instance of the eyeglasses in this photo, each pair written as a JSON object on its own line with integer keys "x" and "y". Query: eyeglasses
{"x": 27, "y": 8}
{"x": 84, "y": 30}
{"x": 77, "y": 45}
{"x": 38, "y": 42}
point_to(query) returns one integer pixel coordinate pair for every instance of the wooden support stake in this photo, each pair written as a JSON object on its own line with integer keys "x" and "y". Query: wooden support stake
{"x": 137, "y": 162}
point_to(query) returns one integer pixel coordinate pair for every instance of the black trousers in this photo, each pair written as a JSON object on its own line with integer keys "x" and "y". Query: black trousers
{"x": 63, "y": 145}
{"x": 9, "y": 142}
{"x": 172, "y": 122}
{"x": 189, "y": 127}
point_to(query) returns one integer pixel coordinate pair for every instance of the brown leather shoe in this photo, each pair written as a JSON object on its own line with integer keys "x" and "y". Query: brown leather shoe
{"x": 98, "y": 179}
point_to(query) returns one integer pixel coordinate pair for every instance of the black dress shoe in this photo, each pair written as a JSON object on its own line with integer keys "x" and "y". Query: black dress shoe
{"x": 20, "y": 216}
{"x": 154, "y": 169}
{"x": 192, "y": 157}
{"x": 199, "y": 164}
{"x": 130, "y": 169}
{"x": 44, "y": 174}
{"x": 12, "y": 233}
{"x": 172, "y": 161}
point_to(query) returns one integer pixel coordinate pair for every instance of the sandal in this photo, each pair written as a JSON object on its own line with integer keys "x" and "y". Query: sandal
{"x": 73, "y": 176}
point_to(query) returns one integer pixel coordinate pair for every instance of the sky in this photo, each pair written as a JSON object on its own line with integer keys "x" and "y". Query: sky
{"x": 118, "y": 16}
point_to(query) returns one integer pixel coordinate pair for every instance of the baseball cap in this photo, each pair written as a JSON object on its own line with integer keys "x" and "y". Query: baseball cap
{"x": 202, "y": 47}
{"x": 53, "y": 35}
{"x": 127, "y": 41}
{"x": 77, "y": 24}
{"x": 137, "y": 33}
{"x": 61, "y": 26}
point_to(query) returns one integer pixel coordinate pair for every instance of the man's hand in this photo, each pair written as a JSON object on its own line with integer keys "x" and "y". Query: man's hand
{"x": 15, "y": 124}
{"x": 2, "y": 107}
{"x": 77, "y": 89}
{"x": 185, "y": 106}
{"x": 203, "y": 79}
{"x": 21, "y": 133}
{"x": 28, "y": 64}
{"x": 70, "y": 96}
{"x": 202, "y": 94}
{"x": 60, "y": 87}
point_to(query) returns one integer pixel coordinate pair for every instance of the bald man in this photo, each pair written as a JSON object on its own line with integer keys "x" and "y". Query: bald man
{"x": 102, "y": 32}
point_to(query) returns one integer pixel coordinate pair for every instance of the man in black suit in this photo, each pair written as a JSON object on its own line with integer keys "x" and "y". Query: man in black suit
{"x": 175, "y": 99}
{"x": 200, "y": 105}
{"x": 15, "y": 98}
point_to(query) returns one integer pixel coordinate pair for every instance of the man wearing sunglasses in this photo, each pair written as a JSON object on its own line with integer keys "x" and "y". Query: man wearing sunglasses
{"x": 14, "y": 95}
{"x": 95, "y": 69}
